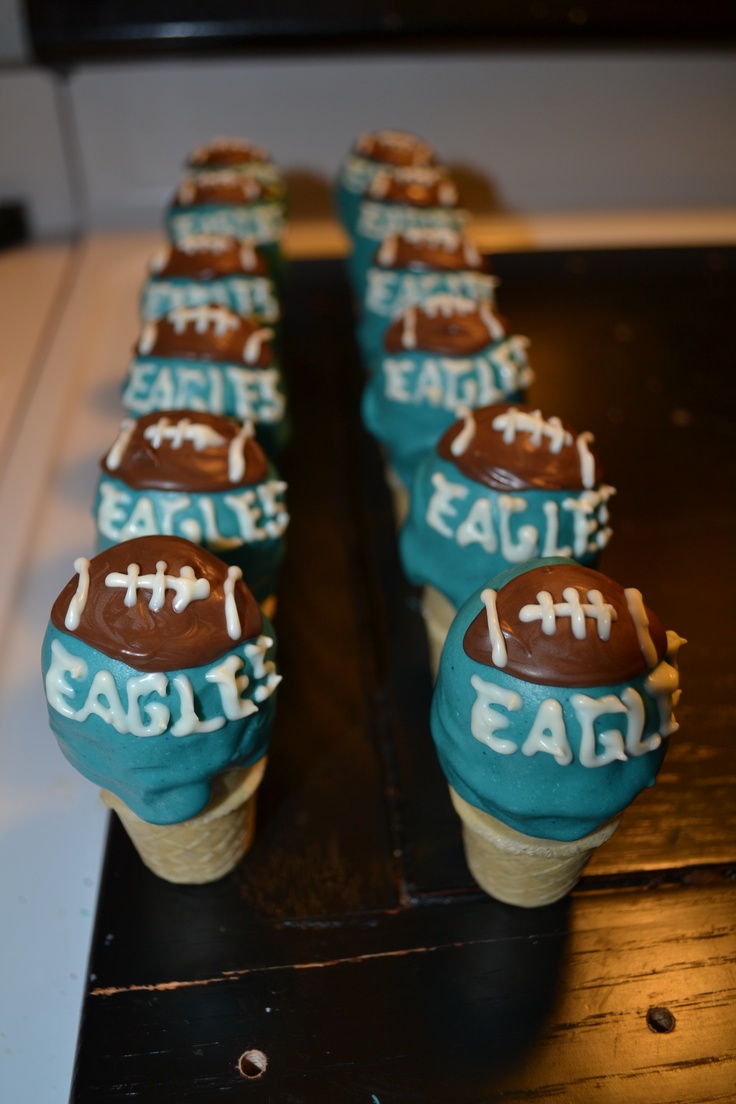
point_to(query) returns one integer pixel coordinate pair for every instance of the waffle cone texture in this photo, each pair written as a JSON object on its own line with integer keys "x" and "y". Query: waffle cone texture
{"x": 438, "y": 613}
{"x": 207, "y": 846}
{"x": 519, "y": 869}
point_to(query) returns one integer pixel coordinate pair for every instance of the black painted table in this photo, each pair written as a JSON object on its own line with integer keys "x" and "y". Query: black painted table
{"x": 352, "y": 948}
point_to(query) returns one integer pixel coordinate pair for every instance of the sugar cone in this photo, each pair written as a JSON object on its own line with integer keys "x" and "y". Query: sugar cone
{"x": 438, "y": 613}
{"x": 208, "y": 845}
{"x": 519, "y": 869}
{"x": 399, "y": 495}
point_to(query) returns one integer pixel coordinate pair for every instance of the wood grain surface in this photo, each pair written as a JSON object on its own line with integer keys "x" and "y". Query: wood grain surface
{"x": 351, "y": 947}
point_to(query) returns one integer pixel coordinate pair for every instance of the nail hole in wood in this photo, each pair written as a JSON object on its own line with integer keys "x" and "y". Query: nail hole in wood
{"x": 252, "y": 1064}
{"x": 660, "y": 1020}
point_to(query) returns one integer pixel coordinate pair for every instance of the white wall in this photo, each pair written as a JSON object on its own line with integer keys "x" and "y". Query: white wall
{"x": 534, "y": 132}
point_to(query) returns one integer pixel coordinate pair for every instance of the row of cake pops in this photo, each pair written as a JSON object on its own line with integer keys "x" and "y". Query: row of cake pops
{"x": 480, "y": 480}
{"x": 205, "y": 394}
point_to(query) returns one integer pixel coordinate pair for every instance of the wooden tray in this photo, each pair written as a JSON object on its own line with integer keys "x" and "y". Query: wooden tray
{"x": 352, "y": 947}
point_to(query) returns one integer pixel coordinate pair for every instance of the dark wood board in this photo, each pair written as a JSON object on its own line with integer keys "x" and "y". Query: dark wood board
{"x": 352, "y": 946}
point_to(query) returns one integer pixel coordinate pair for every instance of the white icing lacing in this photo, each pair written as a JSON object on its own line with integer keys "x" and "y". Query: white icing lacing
{"x": 187, "y": 587}
{"x": 79, "y": 601}
{"x": 203, "y": 243}
{"x": 635, "y": 604}
{"x": 148, "y": 337}
{"x": 409, "y": 330}
{"x": 248, "y": 255}
{"x": 387, "y": 251}
{"x": 547, "y": 611}
{"x": 232, "y": 619}
{"x": 515, "y": 421}
{"x": 254, "y": 344}
{"x": 445, "y": 305}
{"x": 442, "y": 237}
{"x": 461, "y": 443}
{"x": 222, "y": 320}
{"x": 397, "y": 139}
{"x": 236, "y": 453}
{"x": 200, "y": 435}
{"x": 498, "y": 644}
{"x": 495, "y": 330}
{"x": 116, "y": 453}
{"x": 587, "y": 460}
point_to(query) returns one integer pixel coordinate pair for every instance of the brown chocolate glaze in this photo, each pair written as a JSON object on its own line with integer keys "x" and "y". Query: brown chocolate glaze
{"x": 178, "y": 334}
{"x": 222, "y": 152}
{"x": 159, "y": 640}
{"x": 394, "y": 147}
{"x": 223, "y": 187}
{"x": 414, "y": 187}
{"x": 430, "y": 251}
{"x": 519, "y": 465}
{"x": 143, "y": 466}
{"x": 207, "y": 257}
{"x": 445, "y": 332}
{"x": 560, "y": 659}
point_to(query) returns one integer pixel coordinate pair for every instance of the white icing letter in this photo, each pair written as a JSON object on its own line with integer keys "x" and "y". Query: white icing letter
{"x": 478, "y": 527}
{"x": 586, "y": 711}
{"x": 104, "y": 701}
{"x": 440, "y": 504}
{"x": 63, "y": 663}
{"x": 395, "y": 386}
{"x": 153, "y": 718}
{"x": 189, "y": 722}
{"x": 549, "y": 719}
{"x": 526, "y": 548}
{"x": 110, "y": 514}
{"x": 485, "y": 721}
{"x": 231, "y": 687}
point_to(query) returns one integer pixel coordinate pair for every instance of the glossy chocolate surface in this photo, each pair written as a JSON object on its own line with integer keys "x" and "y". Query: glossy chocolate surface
{"x": 394, "y": 147}
{"x": 430, "y": 251}
{"x": 157, "y": 457}
{"x": 212, "y": 333}
{"x": 221, "y": 152}
{"x": 561, "y": 659}
{"x": 158, "y": 640}
{"x": 223, "y": 186}
{"x": 207, "y": 257}
{"x": 415, "y": 187}
{"x": 525, "y": 462}
{"x": 449, "y": 328}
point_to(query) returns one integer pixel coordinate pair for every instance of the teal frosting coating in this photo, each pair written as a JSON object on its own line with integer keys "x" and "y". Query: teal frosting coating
{"x": 248, "y": 394}
{"x": 409, "y": 407}
{"x": 251, "y": 296}
{"x": 534, "y": 794}
{"x": 355, "y": 177}
{"x": 122, "y": 513}
{"x": 163, "y": 778}
{"x": 437, "y": 558}
{"x": 389, "y": 292}
{"x": 379, "y": 219}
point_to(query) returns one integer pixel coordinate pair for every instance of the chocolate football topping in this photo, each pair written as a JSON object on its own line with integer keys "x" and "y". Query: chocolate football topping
{"x": 560, "y": 658}
{"x": 185, "y": 450}
{"x": 221, "y": 152}
{"x": 211, "y": 333}
{"x": 222, "y": 187}
{"x": 151, "y": 639}
{"x": 512, "y": 447}
{"x": 431, "y": 250}
{"x": 394, "y": 147}
{"x": 414, "y": 187}
{"x": 446, "y": 325}
{"x": 207, "y": 257}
